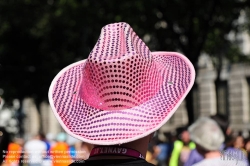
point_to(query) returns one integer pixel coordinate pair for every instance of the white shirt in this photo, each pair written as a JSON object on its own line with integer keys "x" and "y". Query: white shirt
{"x": 35, "y": 150}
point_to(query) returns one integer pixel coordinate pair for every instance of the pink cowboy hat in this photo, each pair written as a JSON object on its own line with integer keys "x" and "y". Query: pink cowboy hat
{"x": 122, "y": 92}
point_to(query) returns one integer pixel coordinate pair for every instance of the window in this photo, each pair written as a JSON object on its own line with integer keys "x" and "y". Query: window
{"x": 196, "y": 101}
{"x": 248, "y": 81}
{"x": 222, "y": 98}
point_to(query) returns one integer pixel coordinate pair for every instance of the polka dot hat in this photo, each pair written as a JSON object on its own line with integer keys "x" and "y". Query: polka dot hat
{"x": 122, "y": 92}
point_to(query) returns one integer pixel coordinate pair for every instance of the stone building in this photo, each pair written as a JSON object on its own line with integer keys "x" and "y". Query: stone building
{"x": 233, "y": 97}
{"x": 32, "y": 118}
{"x": 49, "y": 121}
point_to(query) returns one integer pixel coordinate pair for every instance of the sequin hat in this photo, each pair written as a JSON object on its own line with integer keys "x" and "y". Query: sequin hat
{"x": 122, "y": 91}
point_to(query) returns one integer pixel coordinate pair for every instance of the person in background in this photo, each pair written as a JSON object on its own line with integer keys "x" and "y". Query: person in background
{"x": 194, "y": 157}
{"x": 163, "y": 148}
{"x": 235, "y": 145}
{"x": 14, "y": 152}
{"x": 208, "y": 138}
{"x": 71, "y": 141}
{"x": 181, "y": 149}
{"x": 239, "y": 143}
{"x": 35, "y": 150}
{"x": 223, "y": 123}
{"x": 60, "y": 151}
{"x": 51, "y": 138}
{"x": 150, "y": 154}
{"x": 4, "y": 142}
{"x": 47, "y": 158}
{"x": 247, "y": 148}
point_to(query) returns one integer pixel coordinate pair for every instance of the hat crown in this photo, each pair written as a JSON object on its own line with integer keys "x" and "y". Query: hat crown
{"x": 117, "y": 41}
{"x": 118, "y": 70}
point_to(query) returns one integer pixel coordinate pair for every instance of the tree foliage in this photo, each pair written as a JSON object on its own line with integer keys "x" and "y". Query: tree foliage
{"x": 39, "y": 38}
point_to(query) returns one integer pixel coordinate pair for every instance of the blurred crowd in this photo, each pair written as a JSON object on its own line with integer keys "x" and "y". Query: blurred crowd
{"x": 190, "y": 145}
{"x": 41, "y": 150}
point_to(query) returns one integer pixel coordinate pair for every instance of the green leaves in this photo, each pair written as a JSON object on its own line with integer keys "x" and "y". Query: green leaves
{"x": 50, "y": 35}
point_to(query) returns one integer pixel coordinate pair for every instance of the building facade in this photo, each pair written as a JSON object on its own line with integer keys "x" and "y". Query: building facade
{"x": 233, "y": 97}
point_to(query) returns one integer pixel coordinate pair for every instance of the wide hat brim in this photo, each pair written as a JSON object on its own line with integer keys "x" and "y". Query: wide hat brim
{"x": 110, "y": 127}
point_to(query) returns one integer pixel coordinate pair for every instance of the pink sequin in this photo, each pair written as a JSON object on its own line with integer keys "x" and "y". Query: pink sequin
{"x": 122, "y": 90}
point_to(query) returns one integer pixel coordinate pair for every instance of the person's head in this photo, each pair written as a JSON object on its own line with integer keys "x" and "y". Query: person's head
{"x": 229, "y": 141}
{"x": 247, "y": 145}
{"x": 61, "y": 137}
{"x": 223, "y": 122}
{"x": 123, "y": 92}
{"x": 207, "y": 135}
{"x": 50, "y": 137}
{"x": 42, "y": 136}
{"x": 19, "y": 141}
{"x": 36, "y": 136}
{"x": 185, "y": 136}
{"x": 71, "y": 140}
{"x": 239, "y": 142}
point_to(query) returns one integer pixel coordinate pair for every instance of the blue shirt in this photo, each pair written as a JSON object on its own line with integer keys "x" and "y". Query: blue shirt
{"x": 164, "y": 151}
